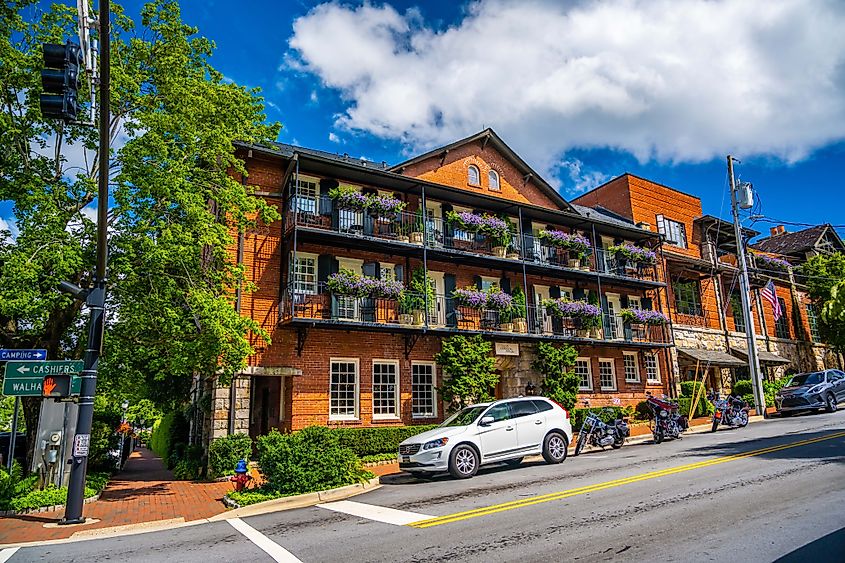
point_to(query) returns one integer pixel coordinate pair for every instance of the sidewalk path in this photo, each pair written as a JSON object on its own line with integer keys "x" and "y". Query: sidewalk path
{"x": 144, "y": 491}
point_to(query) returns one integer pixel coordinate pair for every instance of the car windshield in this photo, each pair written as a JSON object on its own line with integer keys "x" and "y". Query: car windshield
{"x": 465, "y": 416}
{"x": 806, "y": 379}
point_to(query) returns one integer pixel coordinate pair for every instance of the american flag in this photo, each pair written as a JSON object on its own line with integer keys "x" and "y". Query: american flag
{"x": 769, "y": 294}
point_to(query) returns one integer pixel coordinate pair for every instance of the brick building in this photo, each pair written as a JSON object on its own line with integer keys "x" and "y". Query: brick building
{"x": 703, "y": 287}
{"x": 359, "y": 361}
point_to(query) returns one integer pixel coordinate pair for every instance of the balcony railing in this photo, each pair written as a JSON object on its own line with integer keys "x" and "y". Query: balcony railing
{"x": 691, "y": 314}
{"x": 436, "y": 233}
{"x": 316, "y": 303}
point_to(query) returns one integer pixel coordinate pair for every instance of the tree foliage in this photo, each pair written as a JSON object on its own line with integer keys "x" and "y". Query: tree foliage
{"x": 824, "y": 275}
{"x": 174, "y": 206}
{"x": 560, "y": 383}
{"x": 469, "y": 369}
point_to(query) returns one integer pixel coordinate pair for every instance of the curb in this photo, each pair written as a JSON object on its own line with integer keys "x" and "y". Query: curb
{"x": 6, "y": 513}
{"x": 298, "y": 501}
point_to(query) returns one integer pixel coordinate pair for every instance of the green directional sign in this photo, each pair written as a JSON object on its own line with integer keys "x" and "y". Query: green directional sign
{"x": 26, "y": 379}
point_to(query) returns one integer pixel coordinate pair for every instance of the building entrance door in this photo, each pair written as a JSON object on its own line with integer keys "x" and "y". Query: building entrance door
{"x": 265, "y": 405}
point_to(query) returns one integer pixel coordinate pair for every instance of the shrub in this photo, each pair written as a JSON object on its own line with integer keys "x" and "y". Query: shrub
{"x": 187, "y": 462}
{"x": 469, "y": 367}
{"x": 743, "y": 387}
{"x": 160, "y": 436}
{"x": 560, "y": 383}
{"x": 244, "y": 498}
{"x": 13, "y": 484}
{"x": 375, "y": 458}
{"x": 377, "y": 441}
{"x": 770, "y": 389}
{"x": 50, "y": 496}
{"x": 606, "y": 414}
{"x": 307, "y": 461}
{"x": 642, "y": 411}
{"x": 224, "y": 453}
{"x": 704, "y": 407}
{"x": 688, "y": 389}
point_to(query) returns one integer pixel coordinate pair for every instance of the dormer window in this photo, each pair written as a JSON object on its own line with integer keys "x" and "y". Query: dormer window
{"x": 473, "y": 177}
{"x": 674, "y": 231}
{"x": 493, "y": 180}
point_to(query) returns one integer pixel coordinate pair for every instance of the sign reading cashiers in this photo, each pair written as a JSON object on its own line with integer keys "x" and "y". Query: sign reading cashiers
{"x": 26, "y": 379}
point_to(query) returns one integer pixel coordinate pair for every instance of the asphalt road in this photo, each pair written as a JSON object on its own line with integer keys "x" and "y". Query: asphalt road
{"x": 773, "y": 490}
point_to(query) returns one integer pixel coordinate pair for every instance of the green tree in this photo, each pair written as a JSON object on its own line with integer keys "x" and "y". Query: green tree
{"x": 560, "y": 383}
{"x": 469, "y": 369}
{"x": 824, "y": 276}
{"x": 174, "y": 204}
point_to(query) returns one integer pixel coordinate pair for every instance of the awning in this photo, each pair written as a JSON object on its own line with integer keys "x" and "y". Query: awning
{"x": 765, "y": 357}
{"x": 712, "y": 357}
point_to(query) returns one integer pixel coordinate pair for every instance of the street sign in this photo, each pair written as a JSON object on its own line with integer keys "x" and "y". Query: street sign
{"x": 26, "y": 379}
{"x": 27, "y": 354}
{"x": 57, "y": 386}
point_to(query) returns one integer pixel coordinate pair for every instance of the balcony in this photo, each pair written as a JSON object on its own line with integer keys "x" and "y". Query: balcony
{"x": 691, "y": 314}
{"x": 317, "y": 305}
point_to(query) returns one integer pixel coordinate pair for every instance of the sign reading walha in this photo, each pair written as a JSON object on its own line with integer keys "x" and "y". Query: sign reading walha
{"x": 22, "y": 355}
{"x": 507, "y": 349}
{"x": 26, "y": 379}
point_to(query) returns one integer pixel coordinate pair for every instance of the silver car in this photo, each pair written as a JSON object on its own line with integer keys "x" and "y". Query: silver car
{"x": 812, "y": 390}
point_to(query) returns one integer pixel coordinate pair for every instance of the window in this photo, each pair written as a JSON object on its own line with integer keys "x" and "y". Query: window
{"x": 499, "y": 412}
{"x": 675, "y": 232}
{"x": 582, "y": 370}
{"x": 738, "y": 314}
{"x": 687, "y": 297}
{"x": 305, "y": 273}
{"x": 473, "y": 177}
{"x": 813, "y": 321}
{"x": 493, "y": 180}
{"x": 542, "y": 406}
{"x": 607, "y": 374}
{"x": 423, "y": 402}
{"x": 387, "y": 272}
{"x": 632, "y": 367}
{"x": 304, "y": 195}
{"x": 781, "y": 326}
{"x": 385, "y": 389}
{"x": 488, "y": 282}
{"x": 343, "y": 389}
{"x": 634, "y": 303}
{"x": 523, "y": 408}
{"x": 652, "y": 367}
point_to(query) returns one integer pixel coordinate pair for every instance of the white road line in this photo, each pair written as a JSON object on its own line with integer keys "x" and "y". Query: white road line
{"x": 274, "y": 550}
{"x": 377, "y": 513}
{"x": 6, "y": 554}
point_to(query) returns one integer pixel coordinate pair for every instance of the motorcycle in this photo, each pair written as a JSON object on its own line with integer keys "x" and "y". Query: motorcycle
{"x": 731, "y": 412}
{"x": 596, "y": 432}
{"x": 667, "y": 422}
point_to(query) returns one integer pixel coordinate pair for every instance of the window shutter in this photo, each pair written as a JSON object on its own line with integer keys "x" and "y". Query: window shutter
{"x": 399, "y": 272}
{"x": 371, "y": 269}
{"x": 554, "y": 292}
{"x": 505, "y": 284}
{"x": 326, "y": 266}
{"x": 476, "y": 281}
{"x": 605, "y": 315}
{"x": 661, "y": 225}
{"x": 624, "y": 301}
{"x": 448, "y": 229}
{"x": 578, "y": 294}
{"x": 449, "y": 285}
{"x": 326, "y": 204}
{"x": 645, "y": 303}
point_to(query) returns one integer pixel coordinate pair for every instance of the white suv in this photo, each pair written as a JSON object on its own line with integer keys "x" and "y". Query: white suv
{"x": 502, "y": 431}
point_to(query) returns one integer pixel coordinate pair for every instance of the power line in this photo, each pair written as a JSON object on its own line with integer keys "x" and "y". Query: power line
{"x": 764, "y": 219}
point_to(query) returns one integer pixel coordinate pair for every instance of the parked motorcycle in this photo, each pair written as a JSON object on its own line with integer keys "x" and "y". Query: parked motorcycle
{"x": 667, "y": 422}
{"x": 596, "y": 432}
{"x": 732, "y": 411}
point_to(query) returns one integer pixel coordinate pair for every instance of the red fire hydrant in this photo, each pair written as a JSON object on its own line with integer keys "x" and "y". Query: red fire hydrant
{"x": 241, "y": 476}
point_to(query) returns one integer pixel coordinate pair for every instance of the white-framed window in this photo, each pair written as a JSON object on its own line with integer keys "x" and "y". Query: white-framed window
{"x": 386, "y": 272}
{"x": 566, "y": 293}
{"x": 304, "y": 273}
{"x": 652, "y": 367}
{"x": 349, "y": 307}
{"x": 385, "y": 389}
{"x": 423, "y": 392}
{"x": 305, "y": 192}
{"x": 607, "y": 374}
{"x": 487, "y": 282}
{"x": 473, "y": 176}
{"x": 493, "y": 180}
{"x": 632, "y": 367}
{"x": 584, "y": 373}
{"x": 675, "y": 232}
{"x": 343, "y": 388}
{"x": 634, "y": 302}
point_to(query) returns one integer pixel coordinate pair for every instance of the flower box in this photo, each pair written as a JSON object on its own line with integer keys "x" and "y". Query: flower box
{"x": 629, "y": 254}
{"x": 643, "y": 316}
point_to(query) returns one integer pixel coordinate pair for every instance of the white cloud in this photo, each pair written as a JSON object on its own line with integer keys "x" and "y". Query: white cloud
{"x": 580, "y": 179}
{"x": 671, "y": 80}
{"x": 334, "y": 138}
{"x": 8, "y": 230}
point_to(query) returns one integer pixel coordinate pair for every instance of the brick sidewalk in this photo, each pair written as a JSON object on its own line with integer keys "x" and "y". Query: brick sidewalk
{"x": 144, "y": 491}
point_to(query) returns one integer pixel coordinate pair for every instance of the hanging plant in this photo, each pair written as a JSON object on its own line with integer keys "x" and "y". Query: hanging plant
{"x": 576, "y": 243}
{"x": 769, "y": 263}
{"x": 634, "y": 253}
{"x": 465, "y": 220}
{"x": 348, "y": 283}
{"x": 470, "y": 297}
{"x": 643, "y": 316}
{"x": 387, "y": 289}
{"x": 385, "y": 205}
{"x": 498, "y": 300}
{"x": 347, "y": 197}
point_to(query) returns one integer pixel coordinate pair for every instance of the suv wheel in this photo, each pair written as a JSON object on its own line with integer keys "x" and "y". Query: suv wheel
{"x": 554, "y": 447}
{"x": 463, "y": 462}
{"x": 830, "y": 404}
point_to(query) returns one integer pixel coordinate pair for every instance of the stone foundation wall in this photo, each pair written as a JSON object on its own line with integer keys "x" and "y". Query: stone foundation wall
{"x": 220, "y": 408}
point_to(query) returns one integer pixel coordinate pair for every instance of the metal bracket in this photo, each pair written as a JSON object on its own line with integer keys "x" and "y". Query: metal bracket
{"x": 410, "y": 342}
{"x": 301, "y": 336}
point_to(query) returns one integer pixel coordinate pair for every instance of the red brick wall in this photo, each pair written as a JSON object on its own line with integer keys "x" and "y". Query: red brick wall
{"x": 614, "y": 195}
{"x": 453, "y": 172}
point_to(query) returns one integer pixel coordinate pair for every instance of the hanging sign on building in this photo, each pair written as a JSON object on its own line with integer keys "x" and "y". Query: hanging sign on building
{"x": 507, "y": 349}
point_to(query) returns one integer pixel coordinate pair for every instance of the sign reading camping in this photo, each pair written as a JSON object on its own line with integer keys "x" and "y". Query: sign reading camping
{"x": 21, "y": 355}
{"x": 26, "y": 379}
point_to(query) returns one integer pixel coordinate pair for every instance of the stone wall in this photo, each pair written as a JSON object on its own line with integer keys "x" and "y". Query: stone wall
{"x": 220, "y": 408}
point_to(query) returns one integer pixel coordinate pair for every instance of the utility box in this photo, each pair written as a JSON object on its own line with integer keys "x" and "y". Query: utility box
{"x": 53, "y": 441}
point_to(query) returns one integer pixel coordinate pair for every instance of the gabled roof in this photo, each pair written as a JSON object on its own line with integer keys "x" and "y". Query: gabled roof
{"x": 490, "y": 136}
{"x": 797, "y": 242}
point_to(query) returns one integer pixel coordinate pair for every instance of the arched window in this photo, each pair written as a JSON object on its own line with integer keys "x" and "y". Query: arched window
{"x": 493, "y": 179}
{"x": 473, "y": 177}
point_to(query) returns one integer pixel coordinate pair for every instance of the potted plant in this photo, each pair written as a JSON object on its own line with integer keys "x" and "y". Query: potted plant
{"x": 385, "y": 206}
{"x": 629, "y": 256}
{"x": 577, "y": 246}
{"x": 417, "y": 227}
{"x": 596, "y": 330}
{"x": 500, "y": 234}
{"x": 501, "y": 303}
{"x": 470, "y": 297}
{"x": 347, "y": 197}
{"x": 349, "y": 284}
{"x": 422, "y": 291}
{"x": 583, "y": 314}
{"x": 761, "y": 261}
{"x": 643, "y": 316}
{"x": 518, "y": 310}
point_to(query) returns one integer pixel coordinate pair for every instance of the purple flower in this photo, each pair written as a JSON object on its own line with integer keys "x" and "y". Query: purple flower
{"x": 498, "y": 300}
{"x": 571, "y": 241}
{"x": 385, "y": 204}
{"x": 769, "y": 263}
{"x": 634, "y": 253}
{"x": 643, "y": 316}
{"x": 352, "y": 200}
{"x": 470, "y": 297}
{"x": 572, "y": 309}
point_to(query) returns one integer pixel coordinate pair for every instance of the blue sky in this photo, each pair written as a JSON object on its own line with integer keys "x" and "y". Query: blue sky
{"x": 583, "y": 91}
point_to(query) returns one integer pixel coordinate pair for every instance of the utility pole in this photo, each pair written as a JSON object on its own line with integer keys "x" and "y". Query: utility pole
{"x": 95, "y": 297}
{"x": 745, "y": 292}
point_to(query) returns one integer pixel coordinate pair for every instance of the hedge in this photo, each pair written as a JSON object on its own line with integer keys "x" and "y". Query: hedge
{"x": 224, "y": 454}
{"x": 688, "y": 388}
{"x": 606, "y": 414}
{"x": 743, "y": 387}
{"x": 374, "y": 441}
{"x": 704, "y": 407}
{"x": 160, "y": 437}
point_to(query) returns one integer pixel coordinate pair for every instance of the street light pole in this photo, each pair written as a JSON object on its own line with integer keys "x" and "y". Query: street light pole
{"x": 94, "y": 298}
{"x": 745, "y": 292}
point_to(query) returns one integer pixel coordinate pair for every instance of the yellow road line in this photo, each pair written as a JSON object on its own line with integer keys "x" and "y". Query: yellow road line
{"x": 492, "y": 509}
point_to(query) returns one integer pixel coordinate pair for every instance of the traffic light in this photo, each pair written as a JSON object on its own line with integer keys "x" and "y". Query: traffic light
{"x": 60, "y": 81}
{"x": 56, "y": 385}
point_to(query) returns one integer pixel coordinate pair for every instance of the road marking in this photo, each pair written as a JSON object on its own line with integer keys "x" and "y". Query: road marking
{"x": 6, "y": 554}
{"x": 377, "y": 513}
{"x": 492, "y": 509}
{"x": 271, "y": 548}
